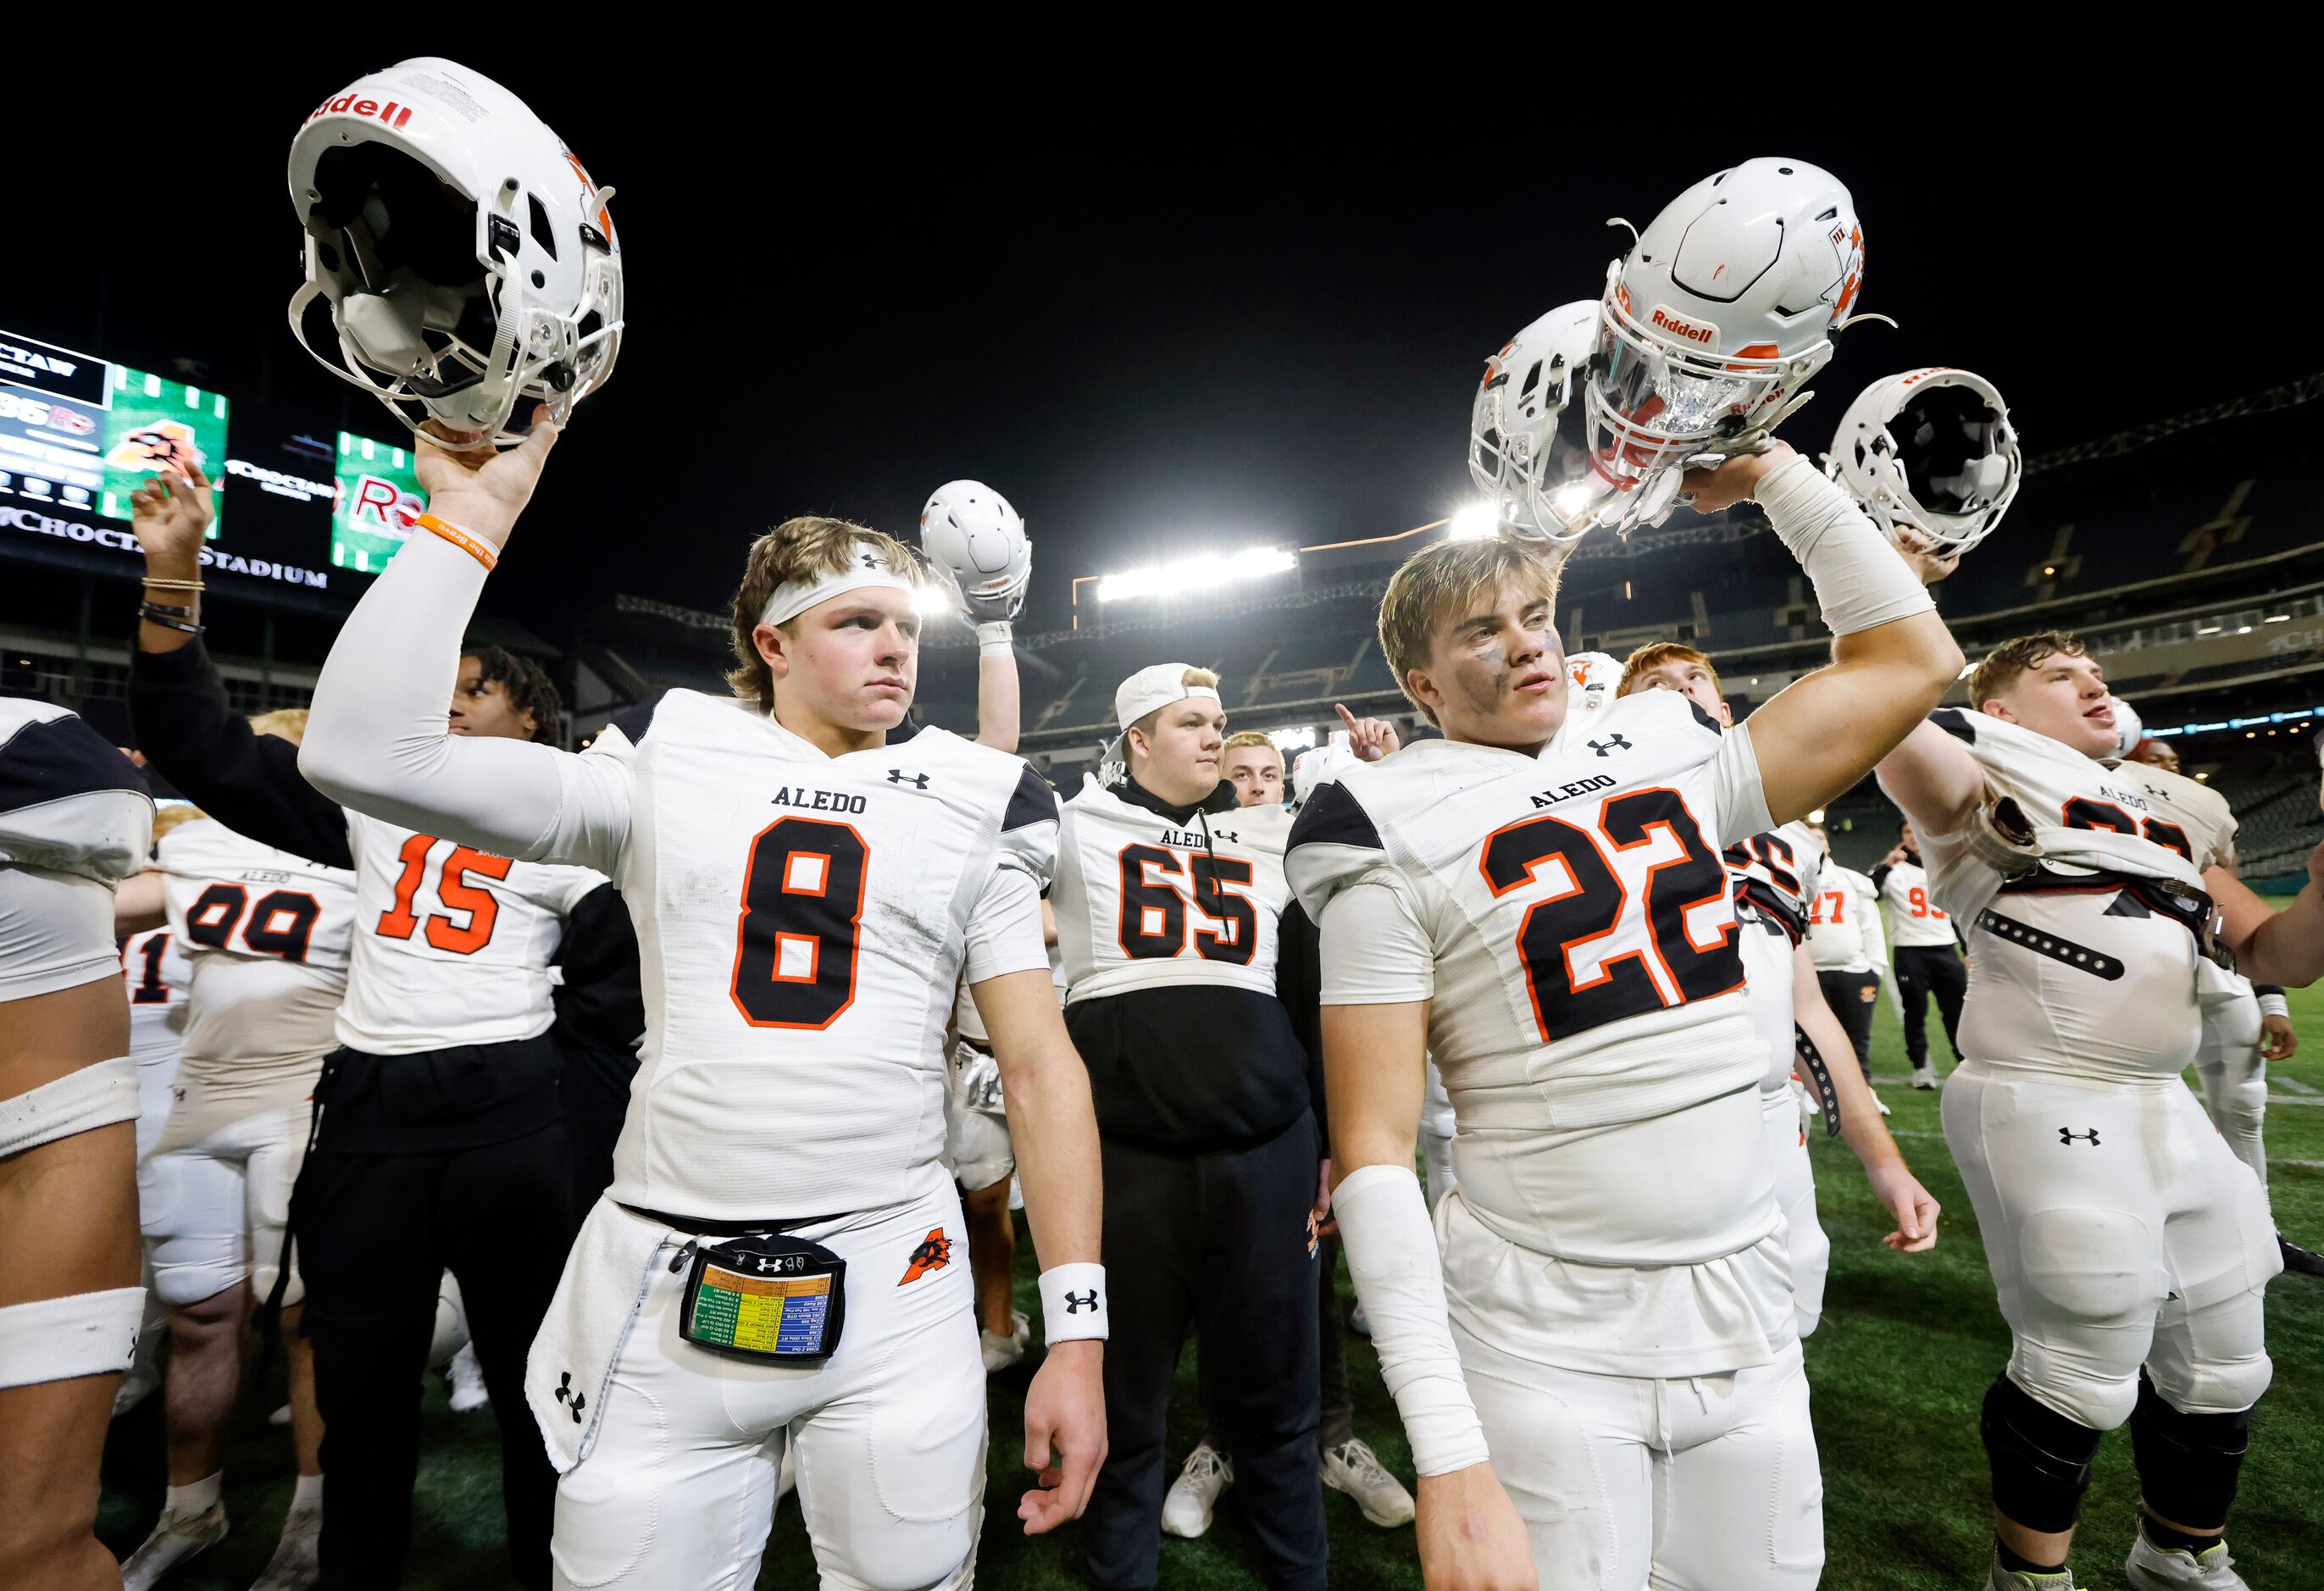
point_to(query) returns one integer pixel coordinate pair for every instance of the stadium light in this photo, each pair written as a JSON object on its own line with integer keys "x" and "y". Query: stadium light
{"x": 1569, "y": 500}
{"x": 1300, "y": 738}
{"x": 1198, "y": 573}
{"x": 930, "y": 601}
{"x": 1473, "y": 523}
{"x": 1816, "y": 816}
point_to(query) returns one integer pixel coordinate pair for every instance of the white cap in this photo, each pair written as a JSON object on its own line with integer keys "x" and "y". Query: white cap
{"x": 1154, "y": 687}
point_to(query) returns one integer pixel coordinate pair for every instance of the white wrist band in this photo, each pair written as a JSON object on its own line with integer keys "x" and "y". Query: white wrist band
{"x": 1391, "y": 1251}
{"x": 1860, "y": 582}
{"x": 2274, "y": 1005}
{"x": 1072, "y": 1302}
{"x": 994, "y": 637}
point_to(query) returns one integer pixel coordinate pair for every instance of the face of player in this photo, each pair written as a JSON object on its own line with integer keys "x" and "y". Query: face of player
{"x": 1178, "y": 759}
{"x": 1496, "y": 674}
{"x": 1258, "y": 776}
{"x": 482, "y": 707}
{"x": 1691, "y": 680}
{"x": 1908, "y": 838}
{"x": 2159, "y": 754}
{"x": 2064, "y": 698}
{"x": 1822, "y": 840}
{"x": 847, "y": 664}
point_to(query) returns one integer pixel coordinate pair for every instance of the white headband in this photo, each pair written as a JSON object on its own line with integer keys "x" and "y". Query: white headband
{"x": 865, "y": 569}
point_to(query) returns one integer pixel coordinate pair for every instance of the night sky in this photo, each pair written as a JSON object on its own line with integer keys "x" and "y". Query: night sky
{"x": 1164, "y": 307}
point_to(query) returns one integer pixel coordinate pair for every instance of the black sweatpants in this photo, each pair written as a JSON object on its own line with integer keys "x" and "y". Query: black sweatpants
{"x": 1852, "y": 996}
{"x": 594, "y": 1092}
{"x": 1337, "y": 1422}
{"x": 1220, "y": 1242}
{"x": 1925, "y": 970}
{"x": 374, "y": 1234}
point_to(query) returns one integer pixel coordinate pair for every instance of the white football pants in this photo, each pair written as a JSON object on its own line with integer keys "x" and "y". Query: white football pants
{"x": 1811, "y": 1250}
{"x": 1706, "y": 1482}
{"x": 2235, "y": 1079}
{"x": 679, "y": 1489}
{"x": 213, "y": 1209}
{"x": 2121, "y": 1231}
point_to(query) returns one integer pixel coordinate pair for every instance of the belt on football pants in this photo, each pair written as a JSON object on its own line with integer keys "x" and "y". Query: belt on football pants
{"x": 2042, "y": 942}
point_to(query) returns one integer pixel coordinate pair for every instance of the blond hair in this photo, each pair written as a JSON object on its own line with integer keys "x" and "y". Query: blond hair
{"x": 167, "y": 818}
{"x": 1654, "y": 655}
{"x": 1435, "y": 585}
{"x": 803, "y": 548}
{"x": 2001, "y": 668}
{"x": 288, "y": 724}
{"x": 1241, "y": 738}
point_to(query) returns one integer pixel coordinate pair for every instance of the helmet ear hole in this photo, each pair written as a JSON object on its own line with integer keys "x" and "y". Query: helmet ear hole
{"x": 412, "y": 218}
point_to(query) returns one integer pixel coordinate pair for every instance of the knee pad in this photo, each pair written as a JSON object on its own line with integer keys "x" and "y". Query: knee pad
{"x": 2093, "y": 1267}
{"x": 2188, "y": 1464}
{"x": 191, "y": 1267}
{"x": 80, "y": 1334}
{"x": 80, "y": 1101}
{"x": 2041, "y": 1460}
{"x": 2222, "y": 1386}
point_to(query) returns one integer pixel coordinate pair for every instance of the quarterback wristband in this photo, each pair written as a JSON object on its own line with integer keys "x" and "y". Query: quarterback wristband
{"x": 1391, "y": 1248}
{"x": 1072, "y": 1302}
{"x": 475, "y": 546}
{"x": 995, "y": 638}
{"x": 2272, "y": 1002}
{"x": 1860, "y": 582}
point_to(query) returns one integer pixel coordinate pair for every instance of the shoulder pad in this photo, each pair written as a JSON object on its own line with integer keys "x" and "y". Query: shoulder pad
{"x": 1333, "y": 843}
{"x": 1032, "y": 801}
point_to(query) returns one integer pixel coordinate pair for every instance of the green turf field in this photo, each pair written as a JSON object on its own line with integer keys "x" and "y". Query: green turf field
{"x": 1906, "y": 1349}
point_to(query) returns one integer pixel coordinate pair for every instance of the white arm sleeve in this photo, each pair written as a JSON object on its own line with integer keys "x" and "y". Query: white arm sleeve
{"x": 1868, "y": 924}
{"x": 1376, "y": 951}
{"x": 1392, "y": 1256}
{"x": 1004, "y": 928}
{"x": 1735, "y": 780}
{"x": 1860, "y": 582}
{"x": 377, "y": 741}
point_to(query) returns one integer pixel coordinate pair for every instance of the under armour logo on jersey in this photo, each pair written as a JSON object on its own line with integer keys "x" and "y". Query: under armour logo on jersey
{"x": 570, "y": 1398}
{"x": 1609, "y": 745}
{"x": 1075, "y": 1302}
{"x": 897, "y": 775}
{"x": 2066, "y": 1136}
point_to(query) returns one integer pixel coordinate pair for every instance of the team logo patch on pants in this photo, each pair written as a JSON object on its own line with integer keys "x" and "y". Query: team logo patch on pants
{"x": 934, "y": 1254}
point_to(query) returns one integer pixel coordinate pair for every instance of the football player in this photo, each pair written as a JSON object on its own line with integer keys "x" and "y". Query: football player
{"x": 2130, "y": 1249}
{"x": 1252, "y": 765}
{"x": 1170, "y": 898}
{"x": 1928, "y": 962}
{"x": 1849, "y": 947}
{"x": 76, "y": 819}
{"x": 773, "y": 1262}
{"x": 444, "y": 1096}
{"x": 1774, "y": 876}
{"x": 1548, "y": 912}
{"x": 269, "y": 934}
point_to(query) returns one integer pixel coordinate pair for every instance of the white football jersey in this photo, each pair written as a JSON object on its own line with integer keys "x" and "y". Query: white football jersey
{"x": 803, "y": 921}
{"x": 1570, "y": 920}
{"x": 154, "y": 970}
{"x": 1844, "y": 933}
{"x": 268, "y": 935}
{"x": 1777, "y": 873}
{"x": 1914, "y": 917}
{"x": 2189, "y": 816}
{"x": 452, "y": 946}
{"x": 68, "y": 802}
{"x": 2072, "y": 879}
{"x": 1142, "y": 901}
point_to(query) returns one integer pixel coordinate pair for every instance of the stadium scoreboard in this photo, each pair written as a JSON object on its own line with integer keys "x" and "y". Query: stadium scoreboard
{"x": 299, "y": 507}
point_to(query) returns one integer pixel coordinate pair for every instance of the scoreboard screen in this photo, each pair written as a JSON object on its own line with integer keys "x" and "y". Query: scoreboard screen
{"x": 378, "y": 498}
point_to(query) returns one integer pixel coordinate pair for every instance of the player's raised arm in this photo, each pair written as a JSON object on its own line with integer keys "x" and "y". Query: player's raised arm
{"x": 1892, "y": 655}
{"x": 378, "y": 740}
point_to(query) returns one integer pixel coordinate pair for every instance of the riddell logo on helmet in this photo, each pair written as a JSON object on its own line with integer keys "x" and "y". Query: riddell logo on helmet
{"x": 1678, "y": 325}
{"x": 351, "y": 104}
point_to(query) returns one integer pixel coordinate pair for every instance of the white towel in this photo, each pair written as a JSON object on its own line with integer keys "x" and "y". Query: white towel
{"x": 580, "y": 1341}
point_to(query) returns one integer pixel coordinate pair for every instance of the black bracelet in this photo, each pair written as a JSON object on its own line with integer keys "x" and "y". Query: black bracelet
{"x": 170, "y": 608}
{"x": 155, "y": 613}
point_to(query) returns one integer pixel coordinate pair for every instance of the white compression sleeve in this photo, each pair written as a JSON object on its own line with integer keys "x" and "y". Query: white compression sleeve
{"x": 1859, "y": 580}
{"x": 377, "y": 740}
{"x": 1392, "y": 1256}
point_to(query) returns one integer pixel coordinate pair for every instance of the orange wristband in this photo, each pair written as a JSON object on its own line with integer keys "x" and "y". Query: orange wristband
{"x": 474, "y": 547}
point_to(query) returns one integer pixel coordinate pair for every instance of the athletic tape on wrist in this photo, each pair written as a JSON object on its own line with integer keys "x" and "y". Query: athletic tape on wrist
{"x": 1860, "y": 581}
{"x": 1391, "y": 1248}
{"x": 995, "y": 638}
{"x": 1073, "y": 1303}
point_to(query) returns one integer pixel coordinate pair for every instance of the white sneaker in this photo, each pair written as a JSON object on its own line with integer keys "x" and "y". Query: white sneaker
{"x": 2001, "y": 1580}
{"x": 1195, "y": 1495}
{"x": 280, "y": 1416}
{"x": 2150, "y": 1567}
{"x": 1924, "y": 1077}
{"x": 1352, "y": 1468}
{"x": 297, "y": 1562}
{"x": 175, "y": 1538}
{"x": 1882, "y": 1103}
{"x": 467, "y": 1379}
{"x": 1000, "y": 1352}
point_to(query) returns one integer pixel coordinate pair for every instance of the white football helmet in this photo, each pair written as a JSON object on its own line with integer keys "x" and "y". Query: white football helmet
{"x": 1712, "y": 325}
{"x": 1591, "y": 680}
{"x": 1513, "y": 424}
{"x": 1319, "y": 766}
{"x": 1931, "y": 449}
{"x": 970, "y": 529}
{"x": 2127, "y": 729}
{"x": 468, "y": 259}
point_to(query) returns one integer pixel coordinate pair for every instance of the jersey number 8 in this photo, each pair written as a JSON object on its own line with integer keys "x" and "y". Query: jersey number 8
{"x": 795, "y": 942}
